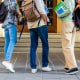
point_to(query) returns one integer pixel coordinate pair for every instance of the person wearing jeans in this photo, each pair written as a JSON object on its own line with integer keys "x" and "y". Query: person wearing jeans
{"x": 10, "y": 40}
{"x": 41, "y": 32}
{"x": 38, "y": 29}
{"x": 10, "y": 29}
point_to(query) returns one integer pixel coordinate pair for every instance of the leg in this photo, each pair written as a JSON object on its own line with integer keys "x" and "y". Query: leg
{"x": 34, "y": 44}
{"x": 7, "y": 39}
{"x": 13, "y": 40}
{"x": 73, "y": 37}
{"x": 43, "y": 33}
{"x": 67, "y": 45}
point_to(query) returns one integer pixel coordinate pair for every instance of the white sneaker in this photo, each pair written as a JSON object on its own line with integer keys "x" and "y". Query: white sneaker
{"x": 33, "y": 70}
{"x": 46, "y": 68}
{"x": 8, "y": 66}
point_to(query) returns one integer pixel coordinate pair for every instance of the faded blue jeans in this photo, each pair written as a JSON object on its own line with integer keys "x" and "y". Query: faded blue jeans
{"x": 10, "y": 40}
{"x": 41, "y": 32}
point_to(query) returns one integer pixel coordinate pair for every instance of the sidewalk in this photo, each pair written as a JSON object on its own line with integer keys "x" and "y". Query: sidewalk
{"x": 22, "y": 67}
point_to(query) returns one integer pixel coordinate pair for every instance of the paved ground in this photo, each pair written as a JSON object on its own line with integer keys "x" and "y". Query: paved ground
{"x": 21, "y": 63}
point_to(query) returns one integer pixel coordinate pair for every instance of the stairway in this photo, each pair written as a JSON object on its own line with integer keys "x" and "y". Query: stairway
{"x": 23, "y": 45}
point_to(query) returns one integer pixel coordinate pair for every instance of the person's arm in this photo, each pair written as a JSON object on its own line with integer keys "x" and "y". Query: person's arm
{"x": 40, "y": 7}
{"x": 13, "y": 8}
{"x": 44, "y": 17}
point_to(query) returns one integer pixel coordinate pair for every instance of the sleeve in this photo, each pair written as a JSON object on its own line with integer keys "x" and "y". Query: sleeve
{"x": 12, "y": 5}
{"x": 40, "y": 6}
{"x": 68, "y": 11}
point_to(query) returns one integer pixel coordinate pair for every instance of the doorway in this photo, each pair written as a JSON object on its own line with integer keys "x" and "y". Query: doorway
{"x": 52, "y": 25}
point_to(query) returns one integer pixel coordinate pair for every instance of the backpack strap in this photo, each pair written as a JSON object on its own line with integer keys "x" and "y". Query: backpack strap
{"x": 39, "y": 22}
{"x": 22, "y": 29}
{"x": 76, "y": 5}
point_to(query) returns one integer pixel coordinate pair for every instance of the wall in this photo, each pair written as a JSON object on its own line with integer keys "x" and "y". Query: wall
{"x": 58, "y": 22}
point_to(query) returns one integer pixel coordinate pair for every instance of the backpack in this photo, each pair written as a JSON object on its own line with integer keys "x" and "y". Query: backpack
{"x": 76, "y": 16}
{"x": 3, "y": 12}
{"x": 31, "y": 13}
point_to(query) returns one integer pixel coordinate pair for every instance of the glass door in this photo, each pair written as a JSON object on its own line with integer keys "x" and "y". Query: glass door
{"x": 52, "y": 25}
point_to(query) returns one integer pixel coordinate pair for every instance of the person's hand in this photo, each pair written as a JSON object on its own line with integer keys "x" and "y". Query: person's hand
{"x": 19, "y": 16}
{"x": 44, "y": 17}
{"x": 45, "y": 22}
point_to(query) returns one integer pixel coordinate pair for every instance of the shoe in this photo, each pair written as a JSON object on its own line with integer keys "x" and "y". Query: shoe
{"x": 66, "y": 69}
{"x": 33, "y": 71}
{"x": 72, "y": 71}
{"x": 46, "y": 68}
{"x": 8, "y": 66}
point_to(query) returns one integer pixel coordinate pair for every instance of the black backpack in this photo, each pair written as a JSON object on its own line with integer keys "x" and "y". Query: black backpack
{"x": 76, "y": 16}
{"x": 3, "y": 12}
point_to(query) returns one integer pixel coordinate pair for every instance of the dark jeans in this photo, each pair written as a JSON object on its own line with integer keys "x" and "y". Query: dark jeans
{"x": 41, "y": 32}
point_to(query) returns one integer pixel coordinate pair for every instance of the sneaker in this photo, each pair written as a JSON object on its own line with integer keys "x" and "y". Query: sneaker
{"x": 72, "y": 71}
{"x": 33, "y": 71}
{"x": 8, "y": 66}
{"x": 66, "y": 69}
{"x": 46, "y": 68}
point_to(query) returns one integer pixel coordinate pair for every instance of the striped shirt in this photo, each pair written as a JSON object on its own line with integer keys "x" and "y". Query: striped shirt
{"x": 10, "y": 18}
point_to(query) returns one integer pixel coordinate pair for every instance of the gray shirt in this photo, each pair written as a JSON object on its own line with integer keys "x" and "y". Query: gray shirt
{"x": 10, "y": 18}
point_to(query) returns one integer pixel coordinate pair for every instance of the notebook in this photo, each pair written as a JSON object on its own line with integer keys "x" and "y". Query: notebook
{"x": 60, "y": 8}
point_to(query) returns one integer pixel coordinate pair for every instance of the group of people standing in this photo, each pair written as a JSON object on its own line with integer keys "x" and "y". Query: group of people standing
{"x": 41, "y": 30}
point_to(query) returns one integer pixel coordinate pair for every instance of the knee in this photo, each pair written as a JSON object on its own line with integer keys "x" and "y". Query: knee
{"x": 45, "y": 45}
{"x": 34, "y": 45}
{"x": 14, "y": 41}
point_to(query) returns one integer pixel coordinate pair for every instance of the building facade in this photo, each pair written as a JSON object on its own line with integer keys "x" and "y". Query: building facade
{"x": 55, "y": 23}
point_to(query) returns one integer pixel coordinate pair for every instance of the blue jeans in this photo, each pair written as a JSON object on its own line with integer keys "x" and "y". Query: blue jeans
{"x": 10, "y": 40}
{"x": 41, "y": 32}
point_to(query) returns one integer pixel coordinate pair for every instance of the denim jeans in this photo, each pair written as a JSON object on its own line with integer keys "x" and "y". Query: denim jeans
{"x": 10, "y": 40}
{"x": 41, "y": 32}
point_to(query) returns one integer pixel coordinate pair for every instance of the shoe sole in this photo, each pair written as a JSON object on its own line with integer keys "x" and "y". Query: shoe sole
{"x": 34, "y": 72}
{"x": 7, "y": 68}
{"x": 66, "y": 70}
{"x": 72, "y": 73}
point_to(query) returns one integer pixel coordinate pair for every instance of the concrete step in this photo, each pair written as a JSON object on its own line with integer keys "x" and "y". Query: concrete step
{"x": 50, "y": 35}
{"x": 51, "y": 45}
{"x": 39, "y": 50}
{"x": 25, "y": 40}
{"x": 23, "y": 45}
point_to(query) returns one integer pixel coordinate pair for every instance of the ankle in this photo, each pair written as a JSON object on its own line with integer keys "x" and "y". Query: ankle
{"x": 7, "y": 61}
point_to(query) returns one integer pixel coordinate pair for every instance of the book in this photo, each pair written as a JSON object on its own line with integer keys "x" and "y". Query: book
{"x": 60, "y": 8}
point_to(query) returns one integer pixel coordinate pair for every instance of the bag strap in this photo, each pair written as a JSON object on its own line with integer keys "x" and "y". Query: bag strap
{"x": 22, "y": 29}
{"x": 39, "y": 22}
